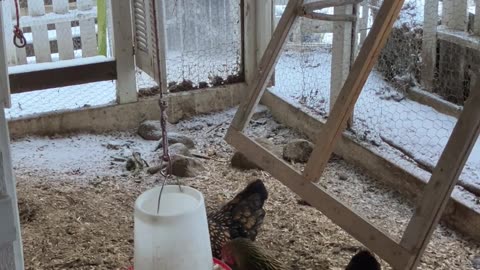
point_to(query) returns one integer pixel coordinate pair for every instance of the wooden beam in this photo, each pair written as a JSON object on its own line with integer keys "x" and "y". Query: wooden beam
{"x": 339, "y": 213}
{"x": 310, "y": 7}
{"x": 429, "y": 43}
{"x": 329, "y": 17}
{"x": 352, "y": 88}
{"x": 124, "y": 55}
{"x": 476, "y": 19}
{"x": 4, "y": 84}
{"x": 62, "y": 76}
{"x": 444, "y": 178}
{"x": 249, "y": 40}
{"x": 266, "y": 65}
{"x": 454, "y": 14}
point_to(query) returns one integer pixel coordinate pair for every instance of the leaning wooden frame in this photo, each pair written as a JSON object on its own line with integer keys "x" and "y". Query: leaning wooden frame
{"x": 407, "y": 253}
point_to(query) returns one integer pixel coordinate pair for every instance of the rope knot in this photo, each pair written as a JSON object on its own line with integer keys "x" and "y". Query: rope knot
{"x": 19, "y": 39}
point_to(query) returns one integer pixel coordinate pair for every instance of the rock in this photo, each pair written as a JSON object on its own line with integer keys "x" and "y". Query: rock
{"x": 342, "y": 176}
{"x": 261, "y": 111}
{"x": 183, "y": 166}
{"x": 177, "y": 138}
{"x": 179, "y": 149}
{"x": 298, "y": 150}
{"x": 150, "y": 130}
{"x": 239, "y": 160}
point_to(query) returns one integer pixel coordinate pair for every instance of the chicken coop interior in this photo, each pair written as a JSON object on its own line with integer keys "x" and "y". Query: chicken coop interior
{"x": 317, "y": 131}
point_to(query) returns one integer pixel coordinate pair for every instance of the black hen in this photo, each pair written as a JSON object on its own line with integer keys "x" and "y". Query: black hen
{"x": 241, "y": 217}
{"x": 363, "y": 260}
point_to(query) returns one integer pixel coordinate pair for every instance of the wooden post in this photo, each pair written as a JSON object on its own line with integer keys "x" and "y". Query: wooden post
{"x": 454, "y": 14}
{"x": 264, "y": 25}
{"x": 4, "y": 80}
{"x": 11, "y": 253}
{"x": 476, "y": 25}
{"x": 429, "y": 44}
{"x": 363, "y": 22}
{"x": 162, "y": 45}
{"x": 444, "y": 178}
{"x": 341, "y": 53}
{"x": 123, "y": 39}
{"x": 250, "y": 40}
{"x": 7, "y": 32}
{"x": 264, "y": 28}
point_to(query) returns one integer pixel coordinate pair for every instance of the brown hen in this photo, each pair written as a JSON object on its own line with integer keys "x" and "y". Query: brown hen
{"x": 241, "y": 217}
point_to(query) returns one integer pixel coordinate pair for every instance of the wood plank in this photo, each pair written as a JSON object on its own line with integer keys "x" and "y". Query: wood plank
{"x": 125, "y": 61}
{"x": 429, "y": 43}
{"x": 266, "y": 65}
{"x": 339, "y": 213}
{"x": 264, "y": 22}
{"x": 41, "y": 44}
{"x": 352, "y": 88}
{"x": 84, "y": 4}
{"x": 249, "y": 40}
{"x": 62, "y": 76}
{"x": 7, "y": 32}
{"x": 4, "y": 83}
{"x": 161, "y": 46}
{"x": 363, "y": 22}
{"x": 309, "y": 7}
{"x": 454, "y": 14}
{"x": 329, "y": 17}
{"x": 444, "y": 178}
{"x": 476, "y": 20}
{"x": 63, "y": 31}
{"x": 88, "y": 37}
{"x": 9, "y": 184}
{"x": 60, "y": 6}
{"x": 341, "y": 53}
{"x": 36, "y": 8}
{"x": 65, "y": 40}
{"x": 51, "y": 18}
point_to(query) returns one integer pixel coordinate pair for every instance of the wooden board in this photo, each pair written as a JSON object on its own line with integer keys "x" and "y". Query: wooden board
{"x": 64, "y": 76}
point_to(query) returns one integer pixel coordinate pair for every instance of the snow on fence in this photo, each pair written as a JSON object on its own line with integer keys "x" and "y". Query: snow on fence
{"x": 398, "y": 115}
{"x": 61, "y": 30}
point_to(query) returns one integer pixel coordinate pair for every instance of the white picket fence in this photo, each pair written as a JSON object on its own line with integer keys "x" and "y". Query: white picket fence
{"x": 61, "y": 14}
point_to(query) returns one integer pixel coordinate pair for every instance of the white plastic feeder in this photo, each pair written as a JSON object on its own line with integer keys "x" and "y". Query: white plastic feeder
{"x": 176, "y": 238}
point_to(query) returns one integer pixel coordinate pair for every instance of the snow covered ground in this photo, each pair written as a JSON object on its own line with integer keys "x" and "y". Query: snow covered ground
{"x": 380, "y": 114}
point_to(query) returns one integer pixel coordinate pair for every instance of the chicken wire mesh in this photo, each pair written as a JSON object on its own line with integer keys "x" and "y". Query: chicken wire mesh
{"x": 203, "y": 43}
{"x": 398, "y": 115}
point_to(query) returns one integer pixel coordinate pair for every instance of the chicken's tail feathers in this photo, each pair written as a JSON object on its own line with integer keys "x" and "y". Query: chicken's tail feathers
{"x": 363, "y": 260}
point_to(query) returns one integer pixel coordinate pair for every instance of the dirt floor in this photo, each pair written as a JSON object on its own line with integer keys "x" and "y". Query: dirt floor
{"x": 76, "y": 202}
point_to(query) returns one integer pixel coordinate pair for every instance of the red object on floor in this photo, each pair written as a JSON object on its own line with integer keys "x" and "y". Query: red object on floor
{"x": 215, "y": 261}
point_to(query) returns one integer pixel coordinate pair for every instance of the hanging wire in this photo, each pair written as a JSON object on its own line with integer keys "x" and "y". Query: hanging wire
{"x": 18, "y": 38}
{"x": 163, "y": 122}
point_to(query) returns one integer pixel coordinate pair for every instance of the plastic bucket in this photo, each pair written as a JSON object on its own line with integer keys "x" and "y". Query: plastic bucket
{"x": 215, "y": 261}
{"x": 176, "y": 238}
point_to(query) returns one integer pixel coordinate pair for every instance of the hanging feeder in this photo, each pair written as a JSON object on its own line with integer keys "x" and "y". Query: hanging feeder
{"x": 174, "y": 236}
